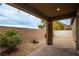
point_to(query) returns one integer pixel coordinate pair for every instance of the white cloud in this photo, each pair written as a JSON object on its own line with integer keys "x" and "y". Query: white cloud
{"x": 10, "y": 16}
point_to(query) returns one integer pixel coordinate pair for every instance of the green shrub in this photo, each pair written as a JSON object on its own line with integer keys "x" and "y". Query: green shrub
{"x": 40, "y": 26}
{"x": 9, "y": 39}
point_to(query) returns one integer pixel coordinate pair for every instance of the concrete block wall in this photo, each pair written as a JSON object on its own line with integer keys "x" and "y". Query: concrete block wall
{"x": 27, "y": 34}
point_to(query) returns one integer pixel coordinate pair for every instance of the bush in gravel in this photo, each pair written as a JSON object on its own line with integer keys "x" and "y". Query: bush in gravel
{"x": 9, "y": 39}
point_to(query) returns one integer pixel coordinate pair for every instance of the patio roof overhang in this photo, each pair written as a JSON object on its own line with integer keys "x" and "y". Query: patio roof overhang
{"x": 46, "y": 11}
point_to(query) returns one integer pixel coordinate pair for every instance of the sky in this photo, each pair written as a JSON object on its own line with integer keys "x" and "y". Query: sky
{"x": 66, "y": 21}
{"x": 12, "y": 17}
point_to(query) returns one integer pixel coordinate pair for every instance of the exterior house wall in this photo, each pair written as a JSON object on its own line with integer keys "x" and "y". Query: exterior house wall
{"x": 74, "y": 29}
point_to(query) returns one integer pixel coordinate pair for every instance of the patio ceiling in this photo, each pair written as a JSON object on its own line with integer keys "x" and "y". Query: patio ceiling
{"x": 47, "y": 11}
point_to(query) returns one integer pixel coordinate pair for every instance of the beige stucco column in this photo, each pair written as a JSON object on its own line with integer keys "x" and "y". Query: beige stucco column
{"x": 75, "y": 32}
{"x": 49, "y": 31}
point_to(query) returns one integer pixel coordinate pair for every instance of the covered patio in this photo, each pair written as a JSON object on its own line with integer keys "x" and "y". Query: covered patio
{"x": 51, "y": 12}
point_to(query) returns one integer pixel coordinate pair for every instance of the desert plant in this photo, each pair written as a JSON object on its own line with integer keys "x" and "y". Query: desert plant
{"x": 34, "y": 41}
{"x": 42, "y": 25}
{"x": 9, "y": 39}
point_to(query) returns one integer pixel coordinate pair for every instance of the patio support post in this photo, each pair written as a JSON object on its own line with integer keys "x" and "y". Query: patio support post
{"x": 49, "y": 31}
{"x": 77, "y": 34}
{"x": 77, "y": 31}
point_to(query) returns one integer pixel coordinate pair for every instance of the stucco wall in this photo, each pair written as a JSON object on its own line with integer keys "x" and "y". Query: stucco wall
{"x": 74, "y": 29}
{"x": 28, "y": 34}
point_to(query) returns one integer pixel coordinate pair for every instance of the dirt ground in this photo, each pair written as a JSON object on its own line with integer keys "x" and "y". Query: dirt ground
{"x": 28, "y": 35}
